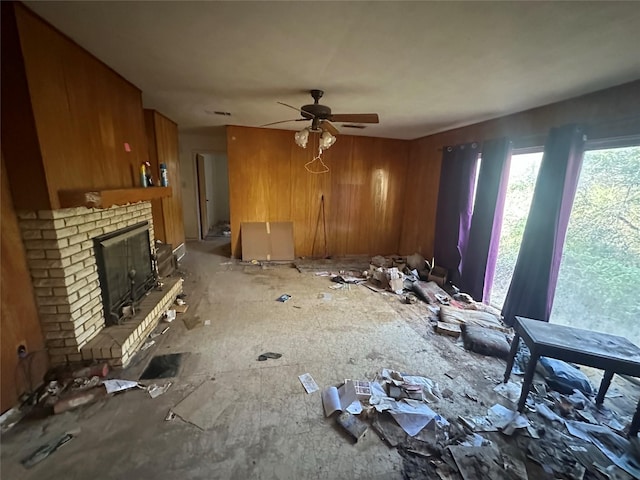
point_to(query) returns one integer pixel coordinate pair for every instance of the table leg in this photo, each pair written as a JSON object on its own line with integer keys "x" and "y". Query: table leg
{"x": 635, "y": 423}
{"x": 604, "y": 386}
{"x": 512, "y": 357}
{"x": 528, "y": 380}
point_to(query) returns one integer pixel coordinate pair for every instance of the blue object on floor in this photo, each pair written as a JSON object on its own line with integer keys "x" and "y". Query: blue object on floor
{"x": 564, "y": 377}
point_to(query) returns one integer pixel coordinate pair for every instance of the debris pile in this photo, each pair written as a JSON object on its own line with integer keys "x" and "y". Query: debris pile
{"x": 552, "y": 433}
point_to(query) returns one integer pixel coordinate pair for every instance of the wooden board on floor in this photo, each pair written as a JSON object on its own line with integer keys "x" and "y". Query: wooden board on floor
{"x": 181, "y": 308}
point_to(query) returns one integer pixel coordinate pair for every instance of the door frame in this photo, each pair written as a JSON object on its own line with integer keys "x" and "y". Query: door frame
{"x": 201, "y": 194}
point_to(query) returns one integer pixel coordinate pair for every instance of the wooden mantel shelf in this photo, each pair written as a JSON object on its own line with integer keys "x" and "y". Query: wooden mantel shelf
{"x": 109, "y": 198}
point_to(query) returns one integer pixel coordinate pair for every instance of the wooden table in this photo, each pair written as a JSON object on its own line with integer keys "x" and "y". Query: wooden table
{"x": 606, "y": 352}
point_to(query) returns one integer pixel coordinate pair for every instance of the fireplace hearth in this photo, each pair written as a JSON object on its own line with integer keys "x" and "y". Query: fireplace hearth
{"x": 125, "y": 269}
{"x": 61, "y": 247}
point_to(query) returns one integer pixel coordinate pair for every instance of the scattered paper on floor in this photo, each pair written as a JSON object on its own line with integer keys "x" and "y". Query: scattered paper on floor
{"x": 115, "y": 385}
{"x": 510, "y": 391}
{"x": 615, "y": 447}
{"x": 308, "y": 383}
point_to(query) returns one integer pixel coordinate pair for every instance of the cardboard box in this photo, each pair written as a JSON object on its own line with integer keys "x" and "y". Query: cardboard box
{"x": 267, "y": 241}
{"x": 438, "y": 275}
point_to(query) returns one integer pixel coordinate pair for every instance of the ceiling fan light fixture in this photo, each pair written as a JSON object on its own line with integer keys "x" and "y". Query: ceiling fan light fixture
{"x": 326, "y": 140}
{"x": 302, "y": 137}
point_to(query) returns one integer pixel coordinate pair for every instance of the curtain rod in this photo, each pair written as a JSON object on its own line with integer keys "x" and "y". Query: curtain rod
{"x": 527, "y": 141}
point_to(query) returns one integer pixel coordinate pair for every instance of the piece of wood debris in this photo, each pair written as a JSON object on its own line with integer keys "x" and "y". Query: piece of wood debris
{"x": 181, "y": 308}
{"x": 451, "y": 329}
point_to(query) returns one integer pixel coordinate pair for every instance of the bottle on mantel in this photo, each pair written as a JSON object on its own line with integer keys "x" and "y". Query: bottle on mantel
{"x": 143, "y": 176}
{"x": 147, "y": 170}
{"x": 164, "y": 176}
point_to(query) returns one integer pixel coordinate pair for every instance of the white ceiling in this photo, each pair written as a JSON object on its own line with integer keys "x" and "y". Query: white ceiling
{"x": 423, "y": 66}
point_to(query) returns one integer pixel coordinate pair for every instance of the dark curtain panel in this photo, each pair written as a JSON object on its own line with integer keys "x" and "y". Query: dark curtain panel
{"x": 455, "y": 204}
{"x": 479, "y": 260}
{"x": 534, "y": 278}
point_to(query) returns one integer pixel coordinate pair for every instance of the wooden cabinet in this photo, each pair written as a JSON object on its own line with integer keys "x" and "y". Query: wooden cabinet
{"x": 162, "y": 140}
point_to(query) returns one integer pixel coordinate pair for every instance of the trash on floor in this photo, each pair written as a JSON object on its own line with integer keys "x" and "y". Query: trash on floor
{"x": 308, "y": 383}
{"x": 74, "y": 400}
{"x": 615, "y": 447}
{"x": 283, "y": 298}
{"x": 267, "y": 355}
{"x": 45, "y": 450}
{"x": 403, "y": 397}
{"x": 157, "y": 390}
{"x": 85, "y": 383}
{"x": 147, "y": 345}
{"x": 355, "y": 427}
{"x": 510, "y": 390}
{"x": 410, "y": 298}
{"x": 429, "y": 291}
{"x": 451, "y": 314}
{"x": 181, "y": 308}
{"x": 169, "y": 316}
{"x": 417, "y": 262}
{"x": 344, "y": 398}
{"x": 116, "y": 385}
{"x": 564, "y": 377}
{"x": 486, "y": 462}
{"x": 485, "y": 341}
{"x": 347, "y": 279}
{"x": 451, "y": 329}
{"x": 389, "y": 278}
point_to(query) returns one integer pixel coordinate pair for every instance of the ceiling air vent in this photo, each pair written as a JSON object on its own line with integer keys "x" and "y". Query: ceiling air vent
{"x": 218, "y": 112}
{"x": 354, "y": 126}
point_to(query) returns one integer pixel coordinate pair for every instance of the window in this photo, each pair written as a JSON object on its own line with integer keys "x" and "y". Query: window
{"x": 599, "y": 274}
{"x": 522, "y": 181}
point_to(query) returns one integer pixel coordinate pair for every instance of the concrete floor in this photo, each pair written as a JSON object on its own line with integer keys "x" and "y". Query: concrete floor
{"x": 260, "y": 423}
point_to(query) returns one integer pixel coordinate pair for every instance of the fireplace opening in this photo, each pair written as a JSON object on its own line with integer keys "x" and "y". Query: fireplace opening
{"x": 125, "y": 269}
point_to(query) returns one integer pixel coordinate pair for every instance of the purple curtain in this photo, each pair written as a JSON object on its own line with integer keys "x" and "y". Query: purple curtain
{"x": 534, "y": 279}
{"x": 455, "y": 203}
{"x": 479, "y": 260}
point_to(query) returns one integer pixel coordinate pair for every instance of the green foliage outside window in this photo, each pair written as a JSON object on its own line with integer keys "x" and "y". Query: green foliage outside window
{"x": 600, "y": 272}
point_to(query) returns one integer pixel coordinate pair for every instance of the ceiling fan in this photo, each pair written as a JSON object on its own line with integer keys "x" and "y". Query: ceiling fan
{"x": 321, "y": 116}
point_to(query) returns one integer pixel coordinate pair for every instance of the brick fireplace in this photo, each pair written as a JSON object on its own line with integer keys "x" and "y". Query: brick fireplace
{"x": 61, "y": 256}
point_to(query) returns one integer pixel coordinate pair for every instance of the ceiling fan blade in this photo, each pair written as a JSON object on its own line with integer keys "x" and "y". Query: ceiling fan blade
{"x": 285, "y": 121}
{"x": 355, "y": 117}
{"x": 297, "y": 109}
{"x": 329, "y": 127}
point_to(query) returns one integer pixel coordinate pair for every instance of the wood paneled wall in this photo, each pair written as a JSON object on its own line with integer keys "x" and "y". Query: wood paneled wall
{"x": 18, "y": 128}
{"x": 19, "y": 324}
{"x": 363, "y": 192}
{"x": 610, "y": 113}
{"x": 381, "y": 195}
{"x": 420, "y": 201}
{"x": 83, "y": 112}
{"x": 162, "y": 138}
